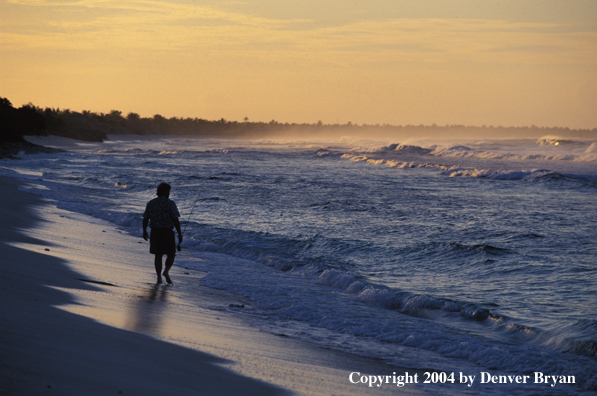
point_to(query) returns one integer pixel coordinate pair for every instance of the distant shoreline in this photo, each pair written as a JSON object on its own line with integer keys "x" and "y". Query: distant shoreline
{"x": 95, "y": 127}
{"x": 8, "y": 150}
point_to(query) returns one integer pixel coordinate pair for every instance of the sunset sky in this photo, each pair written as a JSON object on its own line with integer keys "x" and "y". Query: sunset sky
{"x": 472, "y": 62}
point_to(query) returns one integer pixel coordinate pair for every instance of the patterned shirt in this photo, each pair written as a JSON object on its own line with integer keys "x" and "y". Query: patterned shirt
{"x": 160, "y": 211}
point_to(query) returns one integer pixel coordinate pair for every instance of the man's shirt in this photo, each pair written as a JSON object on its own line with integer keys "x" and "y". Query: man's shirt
{"x": 160, "y": 211}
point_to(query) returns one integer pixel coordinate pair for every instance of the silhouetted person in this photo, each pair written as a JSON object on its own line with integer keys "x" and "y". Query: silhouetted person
{"x": 162, "y": 216}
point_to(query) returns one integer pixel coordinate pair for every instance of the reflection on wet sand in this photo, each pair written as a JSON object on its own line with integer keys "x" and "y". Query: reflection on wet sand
{"x": 145, "y": 312}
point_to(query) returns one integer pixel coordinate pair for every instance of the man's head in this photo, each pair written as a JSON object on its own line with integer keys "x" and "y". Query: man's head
{"x": 164, "y": 190}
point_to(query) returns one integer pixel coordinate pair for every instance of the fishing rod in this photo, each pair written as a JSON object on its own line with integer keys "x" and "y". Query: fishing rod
{"x": 187, "y": 223}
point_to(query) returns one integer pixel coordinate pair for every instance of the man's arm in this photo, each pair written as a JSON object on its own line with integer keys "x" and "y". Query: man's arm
{"x": 145, "y": 223}
{"x": 176, "y": 223}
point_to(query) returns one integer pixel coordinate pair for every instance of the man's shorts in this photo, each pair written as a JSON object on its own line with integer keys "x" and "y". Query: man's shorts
{"x": 161, "y": 241}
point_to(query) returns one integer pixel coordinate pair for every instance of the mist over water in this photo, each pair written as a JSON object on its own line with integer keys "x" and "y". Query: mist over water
{"x": 446, "y": 255}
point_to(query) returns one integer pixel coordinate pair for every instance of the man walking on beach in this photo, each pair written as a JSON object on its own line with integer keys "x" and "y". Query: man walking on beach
{"x": 162, "y": 215}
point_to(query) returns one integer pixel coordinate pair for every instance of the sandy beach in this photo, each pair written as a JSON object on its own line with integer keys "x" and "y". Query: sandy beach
{"x": 81, "y": 315}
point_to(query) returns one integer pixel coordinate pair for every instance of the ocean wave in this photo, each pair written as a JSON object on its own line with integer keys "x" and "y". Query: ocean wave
{"x": 556, "y": 341}
{"x": 545, "y": 149}
{"x": 405, "y": 149}
{"x": 551, "y": 140}
{"x": 394, "y": 148}
{"x": 584, "y": 176}
{"x": 393, "y": 299}
{"x": 133, "y": 150}
{"x": 171, "y": 152}
{"x": 589, "y": 155}
{"x": 537, "y": 175}
{"x": 492, "y": 174}
{"x": 591, "y": 149}
{"x": 585, "y": 348}
{"x": 462, "y": 152}
{"x": 392, "y": 163}
{"x": 307, "y": 251}
{"x": 404, "y": 302}
{"x": 441, "y": 251}
{"x": 307, "y": 317}
{"x": 418, "y": 305}
{"x": 530, "y": 235}
{"x": 412, "y": 331}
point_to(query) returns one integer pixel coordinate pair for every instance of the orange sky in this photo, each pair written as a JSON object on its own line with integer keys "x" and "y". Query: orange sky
{"x": 472, "y": 62}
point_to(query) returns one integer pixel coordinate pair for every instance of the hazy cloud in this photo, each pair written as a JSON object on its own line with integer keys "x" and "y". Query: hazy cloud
{"x": 164, "y": 25}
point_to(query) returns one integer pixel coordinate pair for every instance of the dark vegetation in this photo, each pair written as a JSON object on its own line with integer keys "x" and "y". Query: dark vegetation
{"x": 89, "y": 126}
{"x": 16, "y": 123}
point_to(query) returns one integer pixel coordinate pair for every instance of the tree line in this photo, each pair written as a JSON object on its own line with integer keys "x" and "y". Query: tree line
{"x": 91, "y": 126}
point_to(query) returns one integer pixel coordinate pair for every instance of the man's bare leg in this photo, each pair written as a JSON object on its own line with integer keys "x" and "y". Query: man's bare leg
{"x": 169, "y": 263}
{"x": 158, "y": 267}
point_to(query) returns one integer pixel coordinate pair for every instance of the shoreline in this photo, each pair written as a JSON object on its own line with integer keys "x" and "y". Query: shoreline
{"x": 80, "y": 314}
{"x": 11, "y": 149}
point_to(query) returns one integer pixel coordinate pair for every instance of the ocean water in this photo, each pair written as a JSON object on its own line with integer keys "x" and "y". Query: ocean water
{"x": 455, "y": 256}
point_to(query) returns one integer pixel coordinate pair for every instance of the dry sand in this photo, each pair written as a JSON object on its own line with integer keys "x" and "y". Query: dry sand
{"x": 80, "y": 315}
